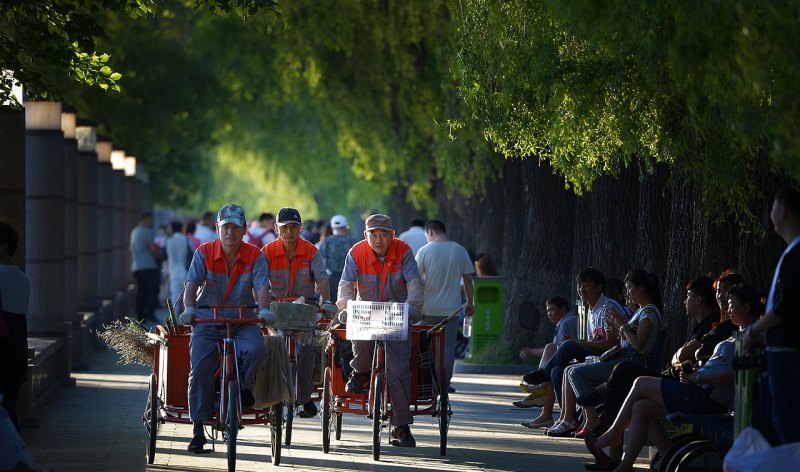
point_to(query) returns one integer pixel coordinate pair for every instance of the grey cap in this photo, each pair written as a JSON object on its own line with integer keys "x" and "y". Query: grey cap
{"x": 379, "y": 222}
{"x": 231, "y": 213}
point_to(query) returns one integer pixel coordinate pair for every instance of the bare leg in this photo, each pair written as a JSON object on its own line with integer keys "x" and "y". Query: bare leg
{"x": 568, "y": 402}
{"x": 643, "y": 412}
{"x": 659, "y": 436}
{"x": 592, "y": 420}
{"x": 643, "y": 388}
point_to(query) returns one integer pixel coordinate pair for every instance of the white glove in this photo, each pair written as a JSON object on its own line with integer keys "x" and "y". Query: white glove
{"x": 267, "y": 316}
{"x": 187, "y": 317}
{"x": 329, "y": 308}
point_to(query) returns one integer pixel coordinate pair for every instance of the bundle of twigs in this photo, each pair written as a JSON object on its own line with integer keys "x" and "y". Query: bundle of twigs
{"x": 131, "y": 341}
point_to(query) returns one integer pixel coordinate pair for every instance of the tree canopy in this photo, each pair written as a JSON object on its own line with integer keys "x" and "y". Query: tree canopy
{"x": 345, "y": 103}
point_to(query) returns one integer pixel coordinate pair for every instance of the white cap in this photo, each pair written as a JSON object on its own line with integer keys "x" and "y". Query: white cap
{"x": 338, "y": 221}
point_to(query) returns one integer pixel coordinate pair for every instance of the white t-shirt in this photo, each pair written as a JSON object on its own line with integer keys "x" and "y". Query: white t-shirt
{"x": 178, "y": 255}
{"x": 441, "y": 266}
{"x": 414, "y": 237}
{"x": 15, "y": 289}
{"x": 204, "y": 233}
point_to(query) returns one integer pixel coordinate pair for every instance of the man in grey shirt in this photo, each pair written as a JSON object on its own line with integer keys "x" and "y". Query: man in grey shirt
{"x": 144, "y": 268}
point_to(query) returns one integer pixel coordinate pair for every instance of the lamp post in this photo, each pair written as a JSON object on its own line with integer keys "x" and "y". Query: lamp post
{"x": 131, "y": 214}
{"x": 119, "y": 229}
{"x": 86, "y": 134}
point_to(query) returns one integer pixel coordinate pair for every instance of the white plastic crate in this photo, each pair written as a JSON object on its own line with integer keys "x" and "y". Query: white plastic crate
{"x": 370, "y": 321}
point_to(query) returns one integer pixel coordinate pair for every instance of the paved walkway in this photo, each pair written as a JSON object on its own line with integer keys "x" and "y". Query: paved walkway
{"x": 96, "y": 426}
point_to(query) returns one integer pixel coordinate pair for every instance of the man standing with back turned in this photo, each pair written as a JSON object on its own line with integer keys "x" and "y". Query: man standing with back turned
{"x": 382, "y": 268}
{"x": 443, "y": 264}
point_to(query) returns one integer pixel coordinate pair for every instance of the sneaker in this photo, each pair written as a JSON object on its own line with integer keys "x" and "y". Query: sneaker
{"x": 358, "y": 383}
{"x": 197, "y": 444}
{"x": 402, "y": 437}
{"x": 309, "y": 410}
{"x": 248, "y": 400}
{"x": 536, "y": 377}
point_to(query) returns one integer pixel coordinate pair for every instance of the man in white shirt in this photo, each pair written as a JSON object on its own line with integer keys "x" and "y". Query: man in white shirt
{"x": 178, "y": 257}
{"x": 415, "y": 236}
{"x": 443, "y": 264}
{"x": 205, "y": 231}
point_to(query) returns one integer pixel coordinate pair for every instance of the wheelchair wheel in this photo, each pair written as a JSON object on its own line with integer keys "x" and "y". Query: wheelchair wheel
{"x": 677, "y": 444}
{"x": 377, "y": 416}
{"x": 338, "y": 427}
{"x": 696, "y": 456}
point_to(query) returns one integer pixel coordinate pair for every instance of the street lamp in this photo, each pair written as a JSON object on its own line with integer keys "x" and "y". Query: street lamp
{"x": 130, "y": 166}
{"x": 86, "y": 134}
{"x": 118, "y": 159}
{"x": 68, "y": 121}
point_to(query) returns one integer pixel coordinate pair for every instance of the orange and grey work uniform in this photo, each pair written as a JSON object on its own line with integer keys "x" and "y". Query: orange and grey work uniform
{"x": 382, "y": 281}
{"x": 294, "y": 279}
{"x": 217, "y": 287}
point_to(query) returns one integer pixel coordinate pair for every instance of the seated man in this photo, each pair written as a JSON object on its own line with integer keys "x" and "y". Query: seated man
{"x": 295, "y": 268}
{"x": 382, "y": 268}
{"x": 228, "y": 272}
{"x": 591, "y": 283}
{"x": 566, "y": 328}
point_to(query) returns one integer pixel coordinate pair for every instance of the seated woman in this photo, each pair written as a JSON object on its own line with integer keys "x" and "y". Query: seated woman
{"x": 638, "y": 338}
{"x": 708, "y": 389}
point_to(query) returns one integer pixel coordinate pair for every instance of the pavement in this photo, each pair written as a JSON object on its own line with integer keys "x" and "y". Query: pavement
{"x": 97, "y": 426}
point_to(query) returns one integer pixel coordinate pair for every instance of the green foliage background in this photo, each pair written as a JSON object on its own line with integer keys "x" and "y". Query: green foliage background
{"x": 331, "y": 106}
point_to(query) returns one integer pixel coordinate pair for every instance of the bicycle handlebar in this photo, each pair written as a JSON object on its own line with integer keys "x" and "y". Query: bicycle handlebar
{"x": 229, "y": 321}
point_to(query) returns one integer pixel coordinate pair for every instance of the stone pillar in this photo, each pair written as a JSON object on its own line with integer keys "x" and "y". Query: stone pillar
{"x": 12, "y": 174}
{"x": 44, "y": 187}
{"x": 87, "y": 217}
{"x": 131, "y": 209}
{"x": 70, "y": 216}
{"x": 105, "y": 199}
{"x": 119, "y": 234}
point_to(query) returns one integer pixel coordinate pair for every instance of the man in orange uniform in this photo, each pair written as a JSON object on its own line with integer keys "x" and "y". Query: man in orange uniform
{"x": 297, "y": 270}
{"x": 227, "y": 271}
{"x": 382, "y": 268}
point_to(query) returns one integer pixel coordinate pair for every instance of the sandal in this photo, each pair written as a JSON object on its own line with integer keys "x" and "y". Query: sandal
{"x": 562, "y": 430}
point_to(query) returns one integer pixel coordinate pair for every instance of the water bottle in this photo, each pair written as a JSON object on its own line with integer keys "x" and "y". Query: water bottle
{"x": 467, "y": 330}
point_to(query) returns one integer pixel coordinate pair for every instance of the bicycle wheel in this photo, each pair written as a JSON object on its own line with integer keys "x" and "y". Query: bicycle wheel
{"x": 151, "y": 419}
{"x": 444, "y": 421}
{"x": 699, "y": 455}
{"x": 232, "y": 424}
{"x": 290, "y": 404}
{"x": 338, "y": 426}
{"x": 276, "y": 418}
{"x": 377, "y": 420}
{"x": 327, "y": 412}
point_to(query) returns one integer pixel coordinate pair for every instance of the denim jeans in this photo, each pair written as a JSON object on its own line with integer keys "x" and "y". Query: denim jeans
{"x": 783, "y": 372}
{"x": 565, "y": 353}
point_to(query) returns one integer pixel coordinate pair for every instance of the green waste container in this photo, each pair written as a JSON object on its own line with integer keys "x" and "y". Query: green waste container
{"x": 489, "y": 298}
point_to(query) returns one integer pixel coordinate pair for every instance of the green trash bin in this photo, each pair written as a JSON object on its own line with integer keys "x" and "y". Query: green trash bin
{"x": 489, "y": 298}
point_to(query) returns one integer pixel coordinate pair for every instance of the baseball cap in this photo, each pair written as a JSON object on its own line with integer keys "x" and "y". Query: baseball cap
{"x": 379, "y": 222}
{"x": 338, "y": 221}
{"x": 287, "y": 216}
{"x": 231, "y": 213}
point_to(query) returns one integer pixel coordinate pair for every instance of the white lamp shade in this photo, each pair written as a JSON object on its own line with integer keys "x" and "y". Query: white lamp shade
{"x": 43, "y": 115}
{"x": 103, "y": 149}
{"x": 68, "y": 124}
{"x": 130, "y": 166}
{"x": 87, "y": 138}
{"x": 118, "y": 159}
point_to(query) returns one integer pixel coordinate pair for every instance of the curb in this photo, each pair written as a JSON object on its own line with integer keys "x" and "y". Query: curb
{"x": 493, "y": 369}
